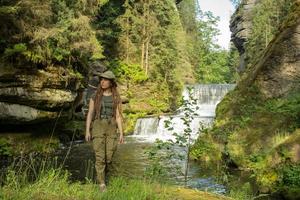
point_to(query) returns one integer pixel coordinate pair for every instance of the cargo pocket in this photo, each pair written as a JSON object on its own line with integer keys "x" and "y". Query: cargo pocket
{"x": 97, "y": 129}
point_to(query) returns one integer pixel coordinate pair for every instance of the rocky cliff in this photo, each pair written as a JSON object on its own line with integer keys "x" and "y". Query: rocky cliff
{"x": 32, "y": 95}
{"x": 257, "y": 126}
{"x": 240, "y": 26}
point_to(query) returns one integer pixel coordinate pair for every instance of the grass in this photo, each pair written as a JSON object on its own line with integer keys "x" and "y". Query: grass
{"x": 39, "y": 180}
{"x": 242, "y": 192}
{"x": 54, "y": 184}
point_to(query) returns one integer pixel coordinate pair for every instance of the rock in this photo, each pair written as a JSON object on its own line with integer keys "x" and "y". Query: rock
{"x": 277, "y": 73}
{"x": 257, "y": 124}
{"x": 20, "y": 114}
{"x": 240, "y": 26}
{"x": 43, "y": 98}
{"x": 31, "y": 95}
{"x": 280, "y": 69}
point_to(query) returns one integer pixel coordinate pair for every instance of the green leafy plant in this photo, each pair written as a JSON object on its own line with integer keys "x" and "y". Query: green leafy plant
{"x": 181, "y": 141}
{"x": 5, "y": 147}
{"x": 129, "y": 73}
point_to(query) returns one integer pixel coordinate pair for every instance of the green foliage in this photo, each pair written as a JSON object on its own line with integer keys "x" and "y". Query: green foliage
{"x": 289, "y": 106}
{"x": 241, "y": 192}
{"x": 130, "y": 120}
{"x": 214, "y": 67}
{"x": 5, "y": 147}
{"x": 36, "y": 179}
{"x": 211, "y": 63}
{"x": 17, "y": 48}
{"x": 55, "y": 184}
{"x": 291, "y": 175}
{"x": 143, "y": 46}
{"x": 109, "y": 29}
{"x": 202, "y": 148}
{"x": 10, "y": 144}
{"x": 8, "y": 10}
{"x": 129, "y": 73}
{"x": 236, "y": 3}
{"x": 163, "y": 155}
{"x": 163, "y": 162}
{"x": 214, "y": 64}
{"x": 58, "y": 32}
{"x": 268, "y": 16}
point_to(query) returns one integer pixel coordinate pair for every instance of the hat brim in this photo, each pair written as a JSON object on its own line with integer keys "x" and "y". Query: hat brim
{"x": 107, "y": 77}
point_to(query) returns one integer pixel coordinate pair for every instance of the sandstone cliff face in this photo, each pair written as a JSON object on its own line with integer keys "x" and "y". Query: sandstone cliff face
{"x": 240, "y": 26}
{"x": 279, "y": 71}
{"x": 259, "y": 122}
{"x": 35, "y": 95}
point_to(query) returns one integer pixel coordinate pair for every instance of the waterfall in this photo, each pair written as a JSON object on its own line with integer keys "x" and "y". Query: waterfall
{"x": 207, "y": 97}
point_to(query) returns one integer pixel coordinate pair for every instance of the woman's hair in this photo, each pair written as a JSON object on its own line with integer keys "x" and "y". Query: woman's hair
{"x": 116, "y": 99}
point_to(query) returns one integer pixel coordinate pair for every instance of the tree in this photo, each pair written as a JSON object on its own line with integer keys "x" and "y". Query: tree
{"x": 268, "y": 16}
{"x": 42, "y": 33}
{"x": 213, "y": 66}
{"x": 236, "y": 3}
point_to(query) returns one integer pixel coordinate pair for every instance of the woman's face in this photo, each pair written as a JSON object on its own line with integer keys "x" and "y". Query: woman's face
{"x": 105, "y": 83}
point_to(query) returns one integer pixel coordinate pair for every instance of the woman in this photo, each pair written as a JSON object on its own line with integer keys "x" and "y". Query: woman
{"x": 103, "y": 118}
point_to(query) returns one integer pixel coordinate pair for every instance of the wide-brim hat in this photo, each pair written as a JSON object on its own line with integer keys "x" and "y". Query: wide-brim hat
{"x": 107, "y": 74}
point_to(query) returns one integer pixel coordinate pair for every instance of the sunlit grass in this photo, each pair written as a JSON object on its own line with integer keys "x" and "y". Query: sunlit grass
{"x": 48, "y": 183}
{"x": 55, "y": 184}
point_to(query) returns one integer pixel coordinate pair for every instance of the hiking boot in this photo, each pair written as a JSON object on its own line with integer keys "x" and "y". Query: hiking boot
{"x": 102, "y": 187}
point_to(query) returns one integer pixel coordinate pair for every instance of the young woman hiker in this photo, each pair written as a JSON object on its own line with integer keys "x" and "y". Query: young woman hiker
{"x": 103, "y": 119}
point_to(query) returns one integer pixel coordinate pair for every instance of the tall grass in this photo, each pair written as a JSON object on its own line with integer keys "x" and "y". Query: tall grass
{"x": 34, "y": 178}
{"x": 54, "y": 184}
{"x": 39, "y": 180}
{"x": 243, "y": 192}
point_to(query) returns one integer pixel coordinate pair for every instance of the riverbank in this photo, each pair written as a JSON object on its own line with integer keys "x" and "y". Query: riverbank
{"x": 54, "y": 184}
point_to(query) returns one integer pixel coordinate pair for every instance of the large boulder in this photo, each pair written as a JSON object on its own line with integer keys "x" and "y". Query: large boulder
{"x": 30, "y": 95}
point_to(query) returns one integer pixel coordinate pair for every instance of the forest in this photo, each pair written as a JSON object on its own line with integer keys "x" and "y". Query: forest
{"x": 51, "y": 50}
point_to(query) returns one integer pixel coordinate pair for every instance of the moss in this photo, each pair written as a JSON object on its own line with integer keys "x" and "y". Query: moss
{"x": 190, "y": 194}
{"x": 260, "y": 133}
{"x": 206, "y": 149}
{"x": 9, "y": 10}
{"x": 257, "y": 134}
{"x": 148, "y": 98}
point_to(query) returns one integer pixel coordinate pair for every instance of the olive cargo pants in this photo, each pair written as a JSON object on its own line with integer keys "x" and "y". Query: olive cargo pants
{"x": 105, "y": 142}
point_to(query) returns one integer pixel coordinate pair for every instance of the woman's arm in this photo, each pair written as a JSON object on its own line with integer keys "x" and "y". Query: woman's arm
{"x": 89, "y": 120}
{"x": 119, "y": 123}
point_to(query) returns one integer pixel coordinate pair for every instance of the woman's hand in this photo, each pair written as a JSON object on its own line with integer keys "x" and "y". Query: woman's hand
{"x": 87, "y": 136}
{"x": 121, "y": 140}
{"x": 119, "y": 123}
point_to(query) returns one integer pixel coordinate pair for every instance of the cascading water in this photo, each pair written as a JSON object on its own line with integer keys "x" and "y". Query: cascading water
{"x": 207, "y": 96}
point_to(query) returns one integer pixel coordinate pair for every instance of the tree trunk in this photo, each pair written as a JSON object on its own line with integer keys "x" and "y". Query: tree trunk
{"x": 147, "y": 55}
{"x": 143, "y": 35}
{"x": 147, "y": 34}
{"x": 127, "y": 40}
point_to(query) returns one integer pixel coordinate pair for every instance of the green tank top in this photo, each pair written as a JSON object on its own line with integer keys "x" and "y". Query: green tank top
{"x": 107, "y": 106}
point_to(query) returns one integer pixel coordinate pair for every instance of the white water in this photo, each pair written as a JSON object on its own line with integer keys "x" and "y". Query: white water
{"x": 149, "y": 129}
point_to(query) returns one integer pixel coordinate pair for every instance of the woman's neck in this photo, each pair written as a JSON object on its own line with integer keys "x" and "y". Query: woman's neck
{"x": 107, "y": 92}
